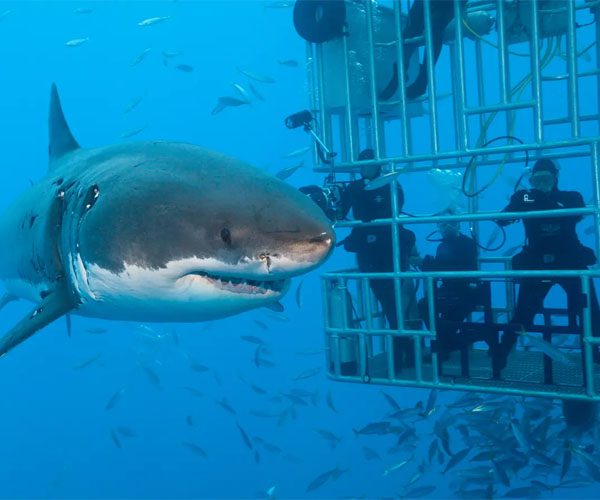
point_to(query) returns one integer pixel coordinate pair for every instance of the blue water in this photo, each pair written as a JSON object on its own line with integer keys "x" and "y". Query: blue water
{"x": 56, "y": 430}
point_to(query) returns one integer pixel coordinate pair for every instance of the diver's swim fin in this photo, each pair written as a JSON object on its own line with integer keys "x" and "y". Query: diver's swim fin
{"x": 52, "y": 307}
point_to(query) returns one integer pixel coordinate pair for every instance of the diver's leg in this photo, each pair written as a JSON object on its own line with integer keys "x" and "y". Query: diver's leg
{"x": 442, "y": 12}
{"x": 530, "y": 301}
{"x": 575, "y": 303}
{"x": 384, "y": 291}
{"x": 414, "y": 27}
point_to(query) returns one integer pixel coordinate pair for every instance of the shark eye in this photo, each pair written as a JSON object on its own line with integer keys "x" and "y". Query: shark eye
{"x": 226, "y": 236}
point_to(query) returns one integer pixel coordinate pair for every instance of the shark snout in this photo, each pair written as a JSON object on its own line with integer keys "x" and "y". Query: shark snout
{"x": 300, "y": 255}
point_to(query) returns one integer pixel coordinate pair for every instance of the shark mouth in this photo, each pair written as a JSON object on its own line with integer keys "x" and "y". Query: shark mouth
{"x": 242, "y": 285}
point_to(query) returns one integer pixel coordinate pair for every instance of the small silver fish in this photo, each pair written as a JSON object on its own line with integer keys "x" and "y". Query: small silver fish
{"x": 226, "y": 406}
{"x": 278, "y": 5}
{"x": 242, "y": 91}
{"x": 185, "y": 68}
{"x": 225, "y": 102}
{"x": 252, "y": 339}
{"x": 83, "y": 10}
{"x": 284, "y": 173}
{"x": 548, "y": 349}
{"x": 307, "y": 374}
{"x": 370, "y": 454}
{"x": 330, "y": 404}
{"x": 153, "y": 20}
{"x": 87, "y": 362}
{"x": 193, "y": 391}
{"x": 245, "y": 437}
{"x": 257, "y": 389}
{"x": 115, "y": 398}
{"x": 134, "y": 103}
{"x": 296, "y": 153}
{"x": 151, "y": 375}
{"x": 255, "y": 92}
{"x": 115, "y": 439}
{"x": 140, "y": 57}
{"x": 198, "y": 367}
{"x": 256, "y": 76}
{"x": 170, "y": 54}
{"x": 76, "y": 42}
{"x": 312, "y": 352}
{"x": 299, "y": 294}
{"x": 133, "y": 132}
{"x": 194, "y": 448}
{"x": 292, "y": 63}
{"x": 396, "y": 467}
{"x": 260, "y": 324}
{"x": 97, "y": 330}
{"x": 126, "y": 431}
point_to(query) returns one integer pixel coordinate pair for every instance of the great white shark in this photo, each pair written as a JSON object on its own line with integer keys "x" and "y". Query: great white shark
{"x": 152, "y": 231}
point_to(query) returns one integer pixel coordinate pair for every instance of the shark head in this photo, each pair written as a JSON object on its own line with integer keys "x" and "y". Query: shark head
{"x": 176, "y": 231}
{"x": 172, "y": 232}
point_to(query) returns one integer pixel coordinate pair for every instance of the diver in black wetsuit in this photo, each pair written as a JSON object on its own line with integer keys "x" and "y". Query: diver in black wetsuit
{"x": 442, "y": 12}
{"x": 552, "y": 243}
{"x": 374, "y": 250}
{"x": 455, "y": 298}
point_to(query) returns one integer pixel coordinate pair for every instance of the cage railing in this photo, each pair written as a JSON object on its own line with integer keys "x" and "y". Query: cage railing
{"x": 363, "y": 335}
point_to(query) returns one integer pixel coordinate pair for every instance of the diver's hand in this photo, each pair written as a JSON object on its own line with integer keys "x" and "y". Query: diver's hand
{"x": 415, "y": 260}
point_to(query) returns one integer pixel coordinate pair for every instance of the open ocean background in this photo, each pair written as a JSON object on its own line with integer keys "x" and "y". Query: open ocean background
{"x": 55, "y": 430}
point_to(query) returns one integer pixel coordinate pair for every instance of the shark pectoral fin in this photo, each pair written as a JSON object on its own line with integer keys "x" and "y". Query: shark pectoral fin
{"x": 52, "y": 307}
{"x": 5, "y": 298}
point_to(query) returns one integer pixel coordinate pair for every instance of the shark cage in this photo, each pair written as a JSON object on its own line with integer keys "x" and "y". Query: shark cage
{"x": 515, "y": 81}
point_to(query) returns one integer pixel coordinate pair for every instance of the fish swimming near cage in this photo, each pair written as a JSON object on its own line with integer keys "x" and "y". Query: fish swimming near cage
{"x": 152, "y": 231}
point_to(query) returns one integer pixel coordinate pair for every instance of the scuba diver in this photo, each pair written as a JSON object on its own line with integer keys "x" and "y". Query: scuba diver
{"x": 442, "y": 13}
{"x": 552, "y": 243}
{"x": 374, "y": 249}
{"x": 455, "y": 299}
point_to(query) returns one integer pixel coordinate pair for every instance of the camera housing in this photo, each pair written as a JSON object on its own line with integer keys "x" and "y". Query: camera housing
{"x": 299, "y": 119}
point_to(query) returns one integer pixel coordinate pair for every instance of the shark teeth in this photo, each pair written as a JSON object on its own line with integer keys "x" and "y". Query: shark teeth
{"x": 242, "y": 285}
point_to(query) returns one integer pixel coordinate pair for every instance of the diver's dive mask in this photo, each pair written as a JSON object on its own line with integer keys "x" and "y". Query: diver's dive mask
{"x": 543, "y": 180}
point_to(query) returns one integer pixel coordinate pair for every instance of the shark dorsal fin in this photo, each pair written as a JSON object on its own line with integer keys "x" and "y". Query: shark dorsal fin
{"x": 61, "y": 139}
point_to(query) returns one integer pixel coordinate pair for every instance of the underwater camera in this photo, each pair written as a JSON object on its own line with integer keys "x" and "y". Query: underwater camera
{"x": 299, "y": 119}
{"x": 327, "y": 197}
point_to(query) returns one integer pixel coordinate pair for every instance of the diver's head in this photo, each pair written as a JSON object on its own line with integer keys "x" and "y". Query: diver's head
{"x": 448, "y": 229}
{"x": 544, "y": 175}
{"x": 369, "y": 172}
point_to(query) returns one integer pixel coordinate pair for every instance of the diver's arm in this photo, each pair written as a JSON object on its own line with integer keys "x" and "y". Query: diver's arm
{"x": 575, "y": 200}
{"x": 514, "y": 205}
{"x": 347, "y": 197}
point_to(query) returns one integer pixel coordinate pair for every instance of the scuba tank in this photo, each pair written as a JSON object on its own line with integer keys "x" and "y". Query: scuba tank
{"x": 341, "y": 317}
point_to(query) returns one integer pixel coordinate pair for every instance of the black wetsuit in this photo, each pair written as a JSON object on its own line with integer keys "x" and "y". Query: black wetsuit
{"x": 455, "y": 298}
{"x": 552, "y": 243}
{"x": 373, "y": 247}
{"x": 442, "y": 12}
